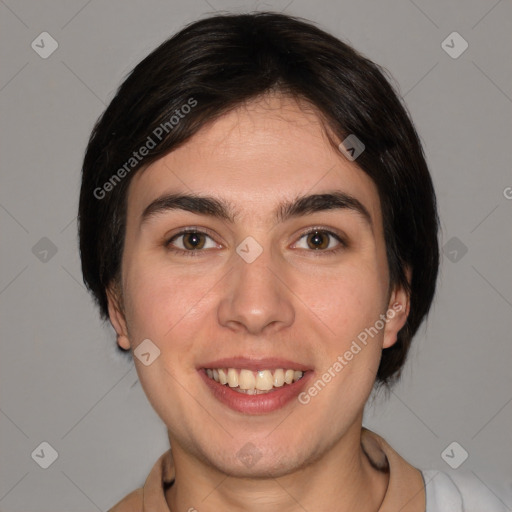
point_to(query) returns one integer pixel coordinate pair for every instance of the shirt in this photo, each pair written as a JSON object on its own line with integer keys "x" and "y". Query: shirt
{"x": 409, "y": 489}
{"x": 462, "y": 492}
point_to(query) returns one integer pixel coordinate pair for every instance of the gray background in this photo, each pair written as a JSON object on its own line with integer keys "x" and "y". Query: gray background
{"x": 61, "y": 379}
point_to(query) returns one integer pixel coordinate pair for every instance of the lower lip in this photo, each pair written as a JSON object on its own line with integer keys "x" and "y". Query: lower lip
{"x": 256, "y": 404}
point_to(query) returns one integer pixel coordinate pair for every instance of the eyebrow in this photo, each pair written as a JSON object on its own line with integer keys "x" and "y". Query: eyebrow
{"x": 287, "y": 209}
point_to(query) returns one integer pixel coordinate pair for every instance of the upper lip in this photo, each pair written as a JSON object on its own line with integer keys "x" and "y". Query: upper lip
{"x": 255, "y": 364}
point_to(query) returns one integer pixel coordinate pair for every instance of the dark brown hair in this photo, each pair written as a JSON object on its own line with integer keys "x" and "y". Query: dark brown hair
{"x": 217, "y": 64}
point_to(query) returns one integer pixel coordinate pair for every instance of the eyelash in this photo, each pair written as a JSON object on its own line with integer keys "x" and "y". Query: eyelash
{"x": 194, "y": 253}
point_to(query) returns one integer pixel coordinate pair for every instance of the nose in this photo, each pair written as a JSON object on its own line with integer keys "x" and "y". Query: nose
{"x": 255, "y": 299}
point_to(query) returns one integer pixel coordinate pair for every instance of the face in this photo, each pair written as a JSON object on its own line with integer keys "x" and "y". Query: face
{"x": 268, "y": 292}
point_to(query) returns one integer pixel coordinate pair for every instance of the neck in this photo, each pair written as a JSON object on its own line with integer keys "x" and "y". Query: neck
{"x": 340, "y": 479}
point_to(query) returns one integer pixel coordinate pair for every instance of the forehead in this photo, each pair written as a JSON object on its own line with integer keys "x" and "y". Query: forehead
{"x": 269, "y": 149}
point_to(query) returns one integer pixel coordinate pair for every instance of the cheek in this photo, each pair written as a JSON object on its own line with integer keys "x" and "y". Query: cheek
{"x": 349, "y": 304}
{"x": 163, "y": 307}
{"x": 162, "y": 302}
{"x": 349, "y": 300}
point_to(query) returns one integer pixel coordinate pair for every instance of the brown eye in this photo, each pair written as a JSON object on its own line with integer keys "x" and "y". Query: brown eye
{"x": 193, "y": 241}
{"x": 321, "y": 240}
{"x": 190, "y": 241}
{"x": 317, "y": 240}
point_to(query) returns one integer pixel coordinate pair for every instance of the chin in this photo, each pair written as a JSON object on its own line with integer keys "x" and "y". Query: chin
{"x": 264, "y": 458}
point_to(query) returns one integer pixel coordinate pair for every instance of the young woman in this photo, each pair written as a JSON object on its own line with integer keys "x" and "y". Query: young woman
{"x": 258, "y": 223}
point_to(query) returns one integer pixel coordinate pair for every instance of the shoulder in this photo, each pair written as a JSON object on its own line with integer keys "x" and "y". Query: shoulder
{"x": 133, "y": 502}
{"x": 463, "y": 492}
{"x": 152, "y": 495}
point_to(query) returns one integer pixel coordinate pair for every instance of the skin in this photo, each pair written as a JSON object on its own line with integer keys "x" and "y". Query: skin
{"x": 293, "y": 302}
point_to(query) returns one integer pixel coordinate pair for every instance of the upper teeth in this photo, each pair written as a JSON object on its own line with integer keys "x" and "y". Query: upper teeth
{"x": 262, "y": 380}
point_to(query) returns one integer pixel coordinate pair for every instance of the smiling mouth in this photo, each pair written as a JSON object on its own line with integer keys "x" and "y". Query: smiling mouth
{"x": 254, "y": 382}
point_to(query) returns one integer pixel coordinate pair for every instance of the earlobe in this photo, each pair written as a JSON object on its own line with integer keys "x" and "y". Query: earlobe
{"x": 117, "y": 318}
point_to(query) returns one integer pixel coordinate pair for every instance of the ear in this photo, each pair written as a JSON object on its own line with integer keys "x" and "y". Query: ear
{"x": 397, "y": 313}
{"x": 116, "y": 315}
